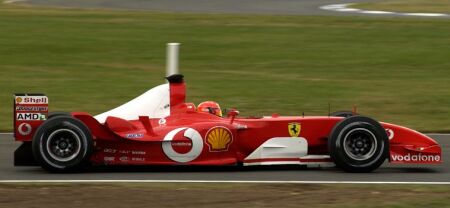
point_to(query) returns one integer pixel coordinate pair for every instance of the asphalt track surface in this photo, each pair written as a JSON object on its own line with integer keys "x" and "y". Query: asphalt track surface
{"x": 386, "y": 173}
{"x": 279, "y": 7}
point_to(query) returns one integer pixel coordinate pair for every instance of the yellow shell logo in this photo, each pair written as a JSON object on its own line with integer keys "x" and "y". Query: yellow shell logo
{"x": 219, "y": 139}
{"x": 18, "y": 100}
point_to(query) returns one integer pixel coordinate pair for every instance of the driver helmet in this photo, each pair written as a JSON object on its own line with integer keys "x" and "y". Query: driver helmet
{"x": 210, "y": 107}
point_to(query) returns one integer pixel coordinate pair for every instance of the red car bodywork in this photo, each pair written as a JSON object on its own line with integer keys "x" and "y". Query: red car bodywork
{"x": 195, "y": 138}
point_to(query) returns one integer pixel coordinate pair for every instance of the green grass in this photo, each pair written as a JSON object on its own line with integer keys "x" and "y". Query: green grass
{"x": 441, "y": 6}
{"x": 396, "y": 70}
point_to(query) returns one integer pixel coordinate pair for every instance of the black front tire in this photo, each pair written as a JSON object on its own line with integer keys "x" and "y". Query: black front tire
{"x": 62, "y": 144}
{"x": 358, "y": 144}
{"x": 344, "y": 114}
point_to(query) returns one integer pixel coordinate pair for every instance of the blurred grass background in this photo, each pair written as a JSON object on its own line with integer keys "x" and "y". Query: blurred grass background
{"x": 394, "y": 69}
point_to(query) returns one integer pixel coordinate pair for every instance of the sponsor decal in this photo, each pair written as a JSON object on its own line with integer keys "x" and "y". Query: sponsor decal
{"x": 240, "y": 126}
{"x": 162, "y": 121}
{"x": 416, "y": 158}
{"x": 294, "y": 129}
{"x": 134, "y": 136}
{"x": 24, "y": 129}
{"x": 196, "y": 145}
{"x": 108, "y": 159}
{"x": 390, "y": 133}
{"x": 31, "y": 108}
{"x": 182, "y": 144}
{"x": 133, "y": 152}
{"x": 139, "y": 159}
{"x": 218, "y": 139}
{"x": 32, "y": 100}
{"x": 30, "y": 116}
{"x": 19, "y": 99}
{"x": 137, "y": 152}
{"x": 109, "y": 150}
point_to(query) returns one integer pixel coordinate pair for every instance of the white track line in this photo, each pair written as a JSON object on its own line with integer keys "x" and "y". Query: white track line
{"x": 426, "y": 14}
{"x": 438, "y": 134}
{"x": 377, "y": 12}
{"x": 346, "y": 8}
{"x": 224, "y": 181}
{"x": 12, "y": 1}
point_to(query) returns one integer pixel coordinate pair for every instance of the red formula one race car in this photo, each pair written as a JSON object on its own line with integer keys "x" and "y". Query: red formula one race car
{"x": 160, "y": 128}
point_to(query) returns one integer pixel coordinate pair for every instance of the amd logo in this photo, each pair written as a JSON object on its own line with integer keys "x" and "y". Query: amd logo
{"x": 29, "y": 116}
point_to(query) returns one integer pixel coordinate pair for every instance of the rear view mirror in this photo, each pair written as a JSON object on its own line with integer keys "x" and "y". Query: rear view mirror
{"x": 232, "y": 113}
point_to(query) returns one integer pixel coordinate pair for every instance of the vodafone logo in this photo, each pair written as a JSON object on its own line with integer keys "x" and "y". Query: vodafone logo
{"x": 416, "y": 158}
{"x": 183, "y": 151}
{"x": 24, "y": 129}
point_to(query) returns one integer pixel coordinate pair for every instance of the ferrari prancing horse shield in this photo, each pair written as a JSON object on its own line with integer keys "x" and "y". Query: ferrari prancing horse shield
{"x": 294, "y": 129}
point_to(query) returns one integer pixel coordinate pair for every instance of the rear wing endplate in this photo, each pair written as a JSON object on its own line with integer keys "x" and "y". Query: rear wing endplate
{"x": 30, "y": 111}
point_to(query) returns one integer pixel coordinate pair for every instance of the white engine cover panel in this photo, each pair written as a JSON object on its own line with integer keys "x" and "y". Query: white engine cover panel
{"x": 155, "y": 103}
{"x": 281, "y": 147}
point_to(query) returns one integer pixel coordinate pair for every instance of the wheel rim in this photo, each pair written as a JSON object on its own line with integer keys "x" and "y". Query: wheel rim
{"x": 360, "y": 144}
{"x": 63, "y": 145}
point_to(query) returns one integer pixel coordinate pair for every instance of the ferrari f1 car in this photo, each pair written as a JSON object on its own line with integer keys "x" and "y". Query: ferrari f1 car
{"x": 161, "y": 128}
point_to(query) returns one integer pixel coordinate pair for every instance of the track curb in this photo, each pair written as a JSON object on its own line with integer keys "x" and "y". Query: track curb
{"x": 346, "y": 8}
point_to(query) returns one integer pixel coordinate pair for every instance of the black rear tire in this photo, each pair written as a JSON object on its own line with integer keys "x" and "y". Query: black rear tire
{"x": 358, "y": 144}
{"x": 57, "y": 113}
{"x": 62, "y": 144}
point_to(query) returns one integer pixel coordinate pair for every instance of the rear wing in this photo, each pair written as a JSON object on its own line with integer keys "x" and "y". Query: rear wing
{"x": 30, "y": 111}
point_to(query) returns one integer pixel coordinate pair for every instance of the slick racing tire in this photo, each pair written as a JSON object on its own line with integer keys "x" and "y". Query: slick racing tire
{"x": 62, "y": 144}
{"x": 57, "y": 113}
{"x": 344, "y": 114}
{"x": 358, "y": 144}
